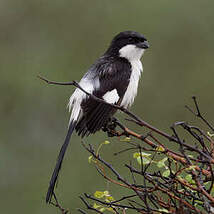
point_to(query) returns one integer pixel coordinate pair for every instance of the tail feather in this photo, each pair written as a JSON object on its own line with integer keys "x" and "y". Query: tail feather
{"x": 59, "y": 162}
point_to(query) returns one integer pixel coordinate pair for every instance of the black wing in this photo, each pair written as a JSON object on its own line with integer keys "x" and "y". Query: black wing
{"x": 112, "y": 75}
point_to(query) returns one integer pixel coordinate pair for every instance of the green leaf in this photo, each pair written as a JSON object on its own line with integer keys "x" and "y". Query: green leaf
{"x": 143, "y": 154}
{"x": 181, "y": 190}
{"x": 102, "y": 209}
{"x": 109, "y": 198}
{"x": 163, "y": 210}
{"x": 212, "y": 190}
{"x": 160, "y": 149}
{"x": 161, "y": 163}
{"x": 166, "y": 173}
{"x": 106, "y": 142}
{"x": 136, "y": 154}
{"x": 99, "y": 194}
{"x": 188, "y": 178}
{"x": 106, "y": 193}
{"x": 96, "y": 206}
{"x": 190, "y": 168}
{"x": 90, "y": 158}
{"x": 210, "y": 135}
{"x": 110, "y": 209}
{"x": 199, "y": 202}
{"x": 144, "y": 160}
{"x": 126, "y": 139}
{"x": 207, "y": 184}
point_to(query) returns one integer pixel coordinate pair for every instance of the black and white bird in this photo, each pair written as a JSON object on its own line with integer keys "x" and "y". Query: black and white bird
{"x": 114, "y": 78}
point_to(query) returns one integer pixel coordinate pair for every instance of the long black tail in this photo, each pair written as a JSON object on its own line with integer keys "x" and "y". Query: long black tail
{"x": 59, "y": 162}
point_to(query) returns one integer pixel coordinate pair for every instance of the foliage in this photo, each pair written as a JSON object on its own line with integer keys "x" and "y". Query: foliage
{"x": 170, "y": 181}
{"x": 179, "y": 182}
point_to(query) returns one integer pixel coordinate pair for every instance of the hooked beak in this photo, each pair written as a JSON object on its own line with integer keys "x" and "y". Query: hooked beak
{"x": 143, "y": 45}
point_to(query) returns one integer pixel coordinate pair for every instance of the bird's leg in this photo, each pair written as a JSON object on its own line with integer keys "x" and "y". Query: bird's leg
{"x": 110, "y": 127}
{"x": 112, "y": 123}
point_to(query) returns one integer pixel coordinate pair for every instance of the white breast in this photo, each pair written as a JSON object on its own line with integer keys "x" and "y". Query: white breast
{"x": 131, "y": 91}
{"x": 133, "y": 55}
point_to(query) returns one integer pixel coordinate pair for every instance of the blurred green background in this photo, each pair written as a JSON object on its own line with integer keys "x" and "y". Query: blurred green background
{"x": 60, "y": 40}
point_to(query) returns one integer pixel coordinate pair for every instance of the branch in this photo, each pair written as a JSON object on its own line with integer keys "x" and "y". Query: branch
{"x": 121, "y": 108}
{"x": 198, "y": 113}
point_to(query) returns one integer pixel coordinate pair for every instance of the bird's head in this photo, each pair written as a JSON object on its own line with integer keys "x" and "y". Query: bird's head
{"x": 128, "y": 44}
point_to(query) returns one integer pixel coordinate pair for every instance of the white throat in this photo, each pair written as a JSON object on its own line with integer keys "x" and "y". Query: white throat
{"x": 131, "y": 52}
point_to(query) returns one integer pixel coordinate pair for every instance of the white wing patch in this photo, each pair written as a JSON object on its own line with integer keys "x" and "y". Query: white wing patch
{"x": 111, "y": 96}
{"x": 78, "y": 96}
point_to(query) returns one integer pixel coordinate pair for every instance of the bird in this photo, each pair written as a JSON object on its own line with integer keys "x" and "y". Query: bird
{"x": 114, "y": 77}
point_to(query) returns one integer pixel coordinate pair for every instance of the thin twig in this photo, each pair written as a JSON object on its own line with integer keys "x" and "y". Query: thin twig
{"x": 198, "y": 113}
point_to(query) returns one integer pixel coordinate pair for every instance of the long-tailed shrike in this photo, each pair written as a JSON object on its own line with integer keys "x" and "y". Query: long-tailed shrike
{"x": 114, "y": 78}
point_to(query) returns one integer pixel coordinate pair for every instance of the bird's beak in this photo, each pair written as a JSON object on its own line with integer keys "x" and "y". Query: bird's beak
{"x": 143, "y": 45}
